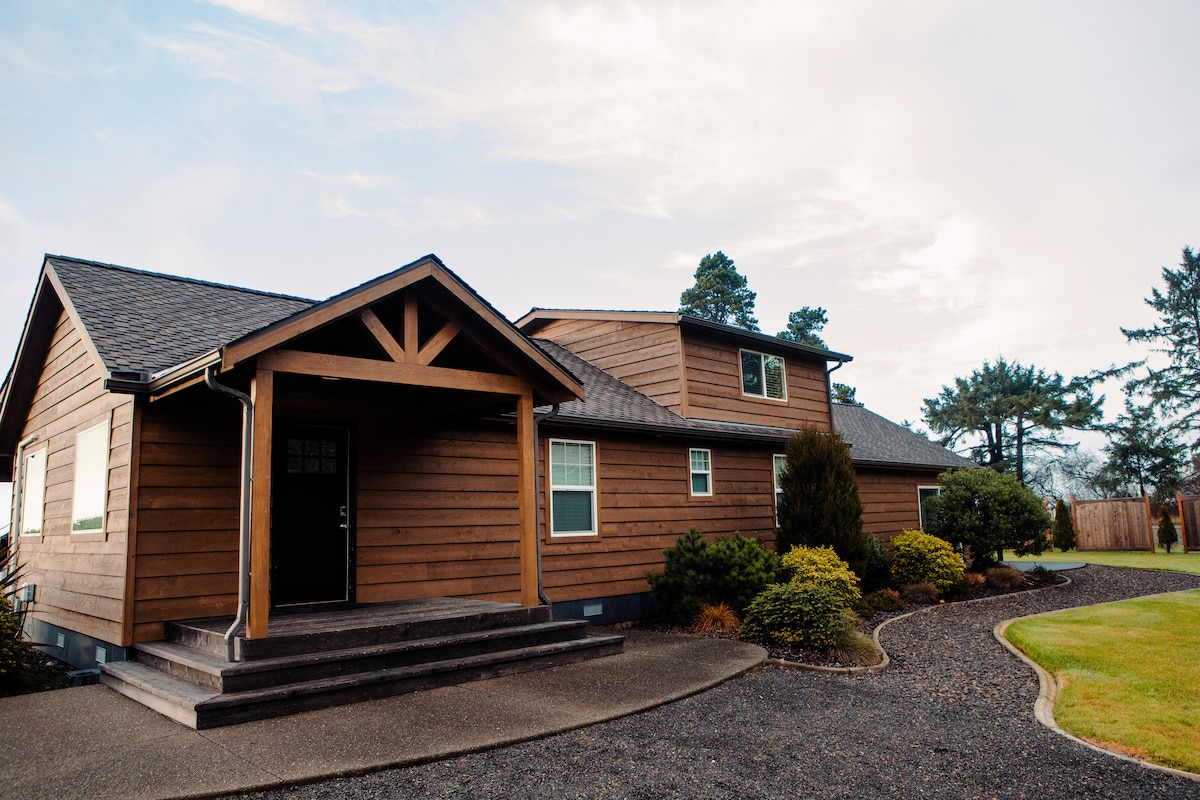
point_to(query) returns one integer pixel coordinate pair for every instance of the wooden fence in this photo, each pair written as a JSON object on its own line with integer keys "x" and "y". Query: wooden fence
{"x": 1116, "y": 524}
{"x": 1189, "y": 521}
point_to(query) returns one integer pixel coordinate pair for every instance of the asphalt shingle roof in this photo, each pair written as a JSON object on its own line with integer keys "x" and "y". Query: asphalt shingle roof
{"x": 876, "y": 440}
{"x": 149, "y": 322}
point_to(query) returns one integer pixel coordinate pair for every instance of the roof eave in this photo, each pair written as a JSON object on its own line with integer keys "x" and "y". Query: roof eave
{"x": 686, "y": 320}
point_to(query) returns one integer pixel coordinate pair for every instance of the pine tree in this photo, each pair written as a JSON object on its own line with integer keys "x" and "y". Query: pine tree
{"x": 1064, "y": 531}
{"x": 819, "y": 505}
{"x": 720, "y": 294}
{"x": 1167, "y": 535}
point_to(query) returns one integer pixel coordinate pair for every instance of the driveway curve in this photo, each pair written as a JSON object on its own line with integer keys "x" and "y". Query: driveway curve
{"x": 952, "y": 718}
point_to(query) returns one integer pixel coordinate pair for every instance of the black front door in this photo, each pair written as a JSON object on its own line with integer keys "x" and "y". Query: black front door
{"x": 311, "y": 530}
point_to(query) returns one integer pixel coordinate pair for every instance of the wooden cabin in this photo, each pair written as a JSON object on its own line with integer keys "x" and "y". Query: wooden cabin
{"x": 399, "y": 441}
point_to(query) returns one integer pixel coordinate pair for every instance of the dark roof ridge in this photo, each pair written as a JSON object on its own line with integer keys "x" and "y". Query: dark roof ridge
{"x": 180, "y": 278}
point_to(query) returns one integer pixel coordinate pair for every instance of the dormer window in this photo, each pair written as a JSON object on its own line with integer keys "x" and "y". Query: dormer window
{"x": 762, "y": 375}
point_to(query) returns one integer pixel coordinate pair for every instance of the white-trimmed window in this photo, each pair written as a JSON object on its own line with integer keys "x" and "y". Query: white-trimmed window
{"x": 780, "y": 463}
{"x": 572, "y": 488}
{"x": 701, "y": 472}
{"x": 91, "y": 480}
{"x": 33, "y": 494}
{"x": 763, "y": 375}
{"x": 923, "y": 494}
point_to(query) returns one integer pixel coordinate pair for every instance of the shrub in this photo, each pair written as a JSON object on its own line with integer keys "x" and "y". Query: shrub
{"x": 1005, "y": 579}
{"x": 718, "y": 619}
{"x": 1064, "y": 531}
{"x": 919, "y": 594}
{"x": 820, "y": 566}
{"x": 1041, "y": 576}
{"x": 921, "y": 558}
{"x": 1167, "y": 535}
{"x": 878, "y": 574}
{"x": 988, "y": 512}
{"x": 819, "y": 503}
{"x": 697, "y": 573}
{"x": 15, "y": 652}
{"x": 790, "y": 615}
{"x": 976, "y": 580}
{"x": 852, "y": 645}
{"x": 878, "y": 602}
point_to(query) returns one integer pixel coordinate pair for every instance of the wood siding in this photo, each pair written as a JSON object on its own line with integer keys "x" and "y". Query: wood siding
{"x": 644, "y": 505}
{"x": 889, "y": 499}
{"x": 714, "y": 389}
{"x": 644, "y": 355}
{"x": 80, "y": 577}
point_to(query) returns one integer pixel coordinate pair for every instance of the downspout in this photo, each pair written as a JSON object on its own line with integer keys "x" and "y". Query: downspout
{"x": 239, "y": 620}
{"x": 829, "y": 383}
{"x": 537, "y": 491}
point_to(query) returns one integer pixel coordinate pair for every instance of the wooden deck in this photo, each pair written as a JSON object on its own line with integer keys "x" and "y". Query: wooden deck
{"x": 318, "y": 657}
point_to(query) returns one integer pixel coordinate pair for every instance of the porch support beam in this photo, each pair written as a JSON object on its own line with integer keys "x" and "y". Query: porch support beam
{"x": 364, "y": 369}
{"x": 262, "y": 395}
{"x": 527, "y": 501}
{"x": 382, "y": 335}
{"x": 437, "y": 343}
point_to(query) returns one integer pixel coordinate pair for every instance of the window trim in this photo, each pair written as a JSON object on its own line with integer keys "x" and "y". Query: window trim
{"x": 776, "y": 458}
{"x": 763, "y": 375}
{"x": 22, "y": 511}
{"x": 693, "y": 472}
{"x": 937, "y": 490}
{"x": 593, "y": 489}
{"x": 106, "y": 424}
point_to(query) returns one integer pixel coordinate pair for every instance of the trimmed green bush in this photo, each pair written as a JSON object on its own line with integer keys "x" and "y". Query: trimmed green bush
{"x": 819, "y": 503}
{"x": 820, "y": 566}
{"x": 1064, "y": 531}
{"x": 1167, "y": 534}
{"x": 790, "y": 615}
{"x": 921, "y": 558}
{"x": 988, "y": 512}
{"x": 14, "y": 650}
{"x": 878, "y": 574}
{"x": 699, "y": 573}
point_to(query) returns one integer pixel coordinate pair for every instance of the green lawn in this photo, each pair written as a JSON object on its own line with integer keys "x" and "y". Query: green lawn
{"x": 1127, "y": 673}
{"x": 1175, "y": 562}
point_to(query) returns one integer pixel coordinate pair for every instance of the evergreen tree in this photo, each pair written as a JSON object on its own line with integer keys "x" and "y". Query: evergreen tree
{"x": 1142, "y": 453}
{"x": 720, "y": 294}
{"x": 1176, "y": 386}
{"x": 1167, "y": 535}
{"x": 988, "y": 512}
{"x": 819, "y": 505}
{"x": 804, "y": 326}
{"x": 1064, "y": 531}
{"x": 1006, "y": 409}
{"x": 847, "y": 395}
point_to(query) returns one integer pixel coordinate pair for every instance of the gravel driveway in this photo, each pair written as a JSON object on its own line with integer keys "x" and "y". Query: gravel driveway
{"x": 952, "y": 718}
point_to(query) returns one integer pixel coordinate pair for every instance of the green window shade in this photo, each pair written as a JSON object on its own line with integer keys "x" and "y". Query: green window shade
{"x": 752, "y": 382}
{"x": 773, "y": 372}
{"x": 572, "y": 512}
{"x": 700, "y": 483}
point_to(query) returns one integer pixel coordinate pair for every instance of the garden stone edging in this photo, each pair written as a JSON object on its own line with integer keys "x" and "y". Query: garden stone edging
{"x": 886, "y": 661}
{"x": 1043, "y": 708}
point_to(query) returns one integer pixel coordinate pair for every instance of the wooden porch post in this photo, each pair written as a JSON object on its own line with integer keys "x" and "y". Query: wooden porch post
{"x": 527, "y": 501}
{"x": 262, "y": 394}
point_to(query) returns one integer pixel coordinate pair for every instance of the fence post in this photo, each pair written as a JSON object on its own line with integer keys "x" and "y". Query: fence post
{"x": 1149, "y": 522}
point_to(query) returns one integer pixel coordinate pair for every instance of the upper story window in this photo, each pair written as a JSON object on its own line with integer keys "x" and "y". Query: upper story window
{"x": 701, "y": 469}
{"x": 33, "y": 493}
{"x": 762, "y": 375}
{"x": 91, "y": 479}
{"x": 572, "y": 488}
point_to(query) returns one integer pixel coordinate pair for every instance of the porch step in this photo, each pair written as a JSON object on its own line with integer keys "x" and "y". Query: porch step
{"x": 314, "y": 658}
{"x": 210, "y": 671}
{"x": 201, "y": 708}
{"x": 359, "y": 626}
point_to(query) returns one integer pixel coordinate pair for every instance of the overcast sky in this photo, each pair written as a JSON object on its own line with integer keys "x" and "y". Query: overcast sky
{"x": 952, "y": 181}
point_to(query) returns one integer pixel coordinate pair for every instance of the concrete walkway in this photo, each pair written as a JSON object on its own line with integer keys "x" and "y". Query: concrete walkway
{"x": 91, "y": 742}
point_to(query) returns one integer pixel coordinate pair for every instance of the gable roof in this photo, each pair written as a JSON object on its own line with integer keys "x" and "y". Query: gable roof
{"x": 536, "y": 318}
{"x": 874, "y": 440}
{"x": 148, "y": 322}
